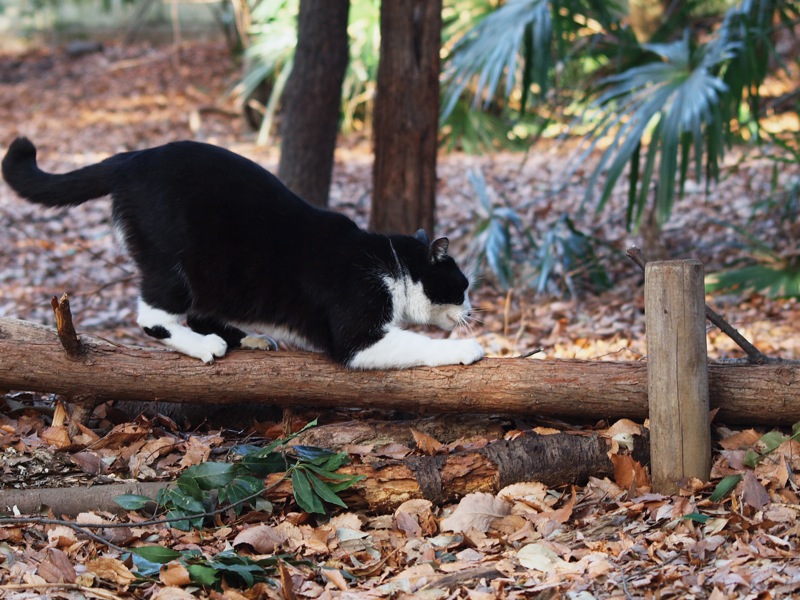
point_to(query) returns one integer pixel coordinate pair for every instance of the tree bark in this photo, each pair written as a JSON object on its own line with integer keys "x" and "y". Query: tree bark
{"x": 312, "y": 99}
{"x": 31, "y": 358}
{"x": 406, "y": 119}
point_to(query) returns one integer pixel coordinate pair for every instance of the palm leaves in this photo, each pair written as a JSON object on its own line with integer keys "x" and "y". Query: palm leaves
{"x": 676, "y": 103}
{"x": 669, "y": 105}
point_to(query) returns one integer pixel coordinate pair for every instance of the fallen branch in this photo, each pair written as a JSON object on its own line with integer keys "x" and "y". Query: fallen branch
{"x": 32, "y": 359}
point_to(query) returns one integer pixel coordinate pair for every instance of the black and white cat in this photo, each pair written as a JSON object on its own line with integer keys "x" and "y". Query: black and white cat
{"x": 222, "y": 243}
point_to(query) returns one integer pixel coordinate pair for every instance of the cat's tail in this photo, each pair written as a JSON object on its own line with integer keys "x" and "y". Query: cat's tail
{"x": 69, "y": 189}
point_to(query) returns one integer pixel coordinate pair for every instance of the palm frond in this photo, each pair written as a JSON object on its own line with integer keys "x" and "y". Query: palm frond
{"x": 489, "y": 52}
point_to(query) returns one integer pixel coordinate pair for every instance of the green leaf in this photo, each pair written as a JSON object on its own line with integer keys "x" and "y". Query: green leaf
{"x": 211, "y": 475}
{"x": 132, "y": 501}
{"x": 696, "y": 517}
{"x": 323, "y": 491}
{"x": 312, "y": 453}
{"x": 189, "y": 487}
{"x": 725, "y": 487}
{"x": 752, "y": 458}
{"x": 304, "y": 494}
{"x": 144, "y": 567}
{"x": 156, "y": 554}
{"x": 242, "y": 566}
{"x": 175, "y": 498}
{"x": 240, "y": 488}
{"x": 203, "y": 575}
{"x": 331, "y": 475}
{"x": 263, "y": 465}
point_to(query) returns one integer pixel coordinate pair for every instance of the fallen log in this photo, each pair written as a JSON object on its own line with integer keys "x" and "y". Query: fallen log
{"x": 554, "y": 460}
{"x": 32, "y": 359}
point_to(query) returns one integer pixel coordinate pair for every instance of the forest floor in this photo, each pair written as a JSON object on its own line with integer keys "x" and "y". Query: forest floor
{"x": 603, "y": 539}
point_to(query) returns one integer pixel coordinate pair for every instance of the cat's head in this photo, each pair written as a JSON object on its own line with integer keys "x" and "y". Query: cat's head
{"x": 437, "y": 292}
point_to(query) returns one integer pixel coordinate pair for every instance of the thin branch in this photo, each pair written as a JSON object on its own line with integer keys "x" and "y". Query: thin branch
{"x": 66, "y": 329}
{"x": 754, "y": 355}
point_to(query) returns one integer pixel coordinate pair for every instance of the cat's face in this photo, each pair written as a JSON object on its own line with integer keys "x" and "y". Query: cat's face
{"x": 437, "y": 294}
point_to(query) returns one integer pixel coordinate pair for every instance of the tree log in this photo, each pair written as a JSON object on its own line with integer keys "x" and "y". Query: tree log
{"x": 553, "y": 460}
{"x": 32, "y": 359}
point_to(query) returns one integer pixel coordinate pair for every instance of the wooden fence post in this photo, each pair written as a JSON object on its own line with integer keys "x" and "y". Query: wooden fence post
{"x": 677, "y": 373}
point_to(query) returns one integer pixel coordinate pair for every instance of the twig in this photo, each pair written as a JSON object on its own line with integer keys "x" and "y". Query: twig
{"x": 83, "y": 527}
{"x": 66, "y": 330}
{"x": 98, "y": 592}
{"x": 754, "y": 355}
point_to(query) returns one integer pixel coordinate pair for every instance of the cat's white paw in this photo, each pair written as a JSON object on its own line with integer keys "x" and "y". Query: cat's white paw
{"x": 461, "y": 352}
{"x": 209, "y": 347}
{"x": 470, "y": 351}
{"x": 259, "y": 342}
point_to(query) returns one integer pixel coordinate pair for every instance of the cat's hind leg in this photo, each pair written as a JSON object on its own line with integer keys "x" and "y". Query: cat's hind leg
{"x": 168, "y": 328}
{"x": 233, "y": 336}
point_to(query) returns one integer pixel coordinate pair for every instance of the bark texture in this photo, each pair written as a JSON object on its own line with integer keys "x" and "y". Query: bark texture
{"x": 311, "y": 102}
{"x": 406, "y": 118}
{"x": 32, "y": 358}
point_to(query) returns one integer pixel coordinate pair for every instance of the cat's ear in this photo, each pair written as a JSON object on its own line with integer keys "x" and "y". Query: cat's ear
{"x": 439, "y": 250}
{"x": 422, "y": 236}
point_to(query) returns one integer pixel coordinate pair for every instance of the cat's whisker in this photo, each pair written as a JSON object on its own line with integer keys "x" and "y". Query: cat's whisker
{"x": 474, "y": 319}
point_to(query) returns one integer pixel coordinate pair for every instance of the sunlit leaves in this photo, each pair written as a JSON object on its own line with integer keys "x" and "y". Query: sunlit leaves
{"x": 671, "y": 106}
{"x": 488, "y": 55}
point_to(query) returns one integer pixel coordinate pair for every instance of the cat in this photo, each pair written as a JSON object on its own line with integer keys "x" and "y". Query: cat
{"x": 223, "y": 246}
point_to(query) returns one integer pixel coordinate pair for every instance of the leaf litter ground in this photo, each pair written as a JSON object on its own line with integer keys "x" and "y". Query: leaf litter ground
{"x": 604, "y": 539}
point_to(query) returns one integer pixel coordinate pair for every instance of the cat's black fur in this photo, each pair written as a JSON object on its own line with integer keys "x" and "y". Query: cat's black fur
{"x": 221, "y": 241}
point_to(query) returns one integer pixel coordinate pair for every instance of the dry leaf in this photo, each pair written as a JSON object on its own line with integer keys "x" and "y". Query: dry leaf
{"x": 538, "y": 557}
{"x": 287, "y": 586}
{"x": 476, "y": 511}
{"x": 753, "y": 493}
{"x": 111, "y": 569}
{"x": 741, "y": 440}
{"x": 174, "y": 574}
{"x": 414, "y": 518}
{"x": 88, "y": 462}
{"x": 196, "y": 452}
{"x": 527, "y": 497}
{"x": 263, "y": 539}
{"x": 57, "y": 568}
{"x": 172, "y": 593}
{"x": 335, "y": 577}
{"x": 56, "y": 436}
{"x": 62, "y": 536}
{"x": 426, "y": 444}
{"x": 628, "y": 471}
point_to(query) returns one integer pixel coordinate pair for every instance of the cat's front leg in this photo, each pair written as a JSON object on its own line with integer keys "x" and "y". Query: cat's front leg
{"x": 168, "y": 328}
{"x": 401, "y": 349}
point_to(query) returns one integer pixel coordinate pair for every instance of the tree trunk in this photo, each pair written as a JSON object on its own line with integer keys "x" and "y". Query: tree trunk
{"x": 32, "y": 358}
{"x": 406, "y": 119}
{"x": 312, "y": 99}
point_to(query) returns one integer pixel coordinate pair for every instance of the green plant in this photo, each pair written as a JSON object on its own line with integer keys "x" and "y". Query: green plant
{"x": 494, "y": 233}
{"x": 270, "y": 56}
{"x": 202, "y": 488}
{"x": 564, "y": 261}
{"x": 771, "y": 268}
{"x": 665, "y": 108}
{"x": 209, "y": 572}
